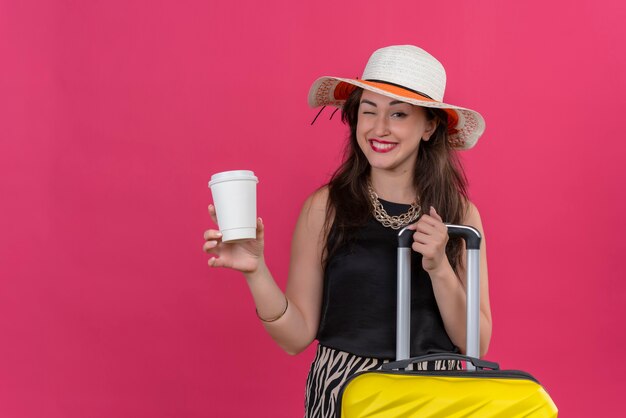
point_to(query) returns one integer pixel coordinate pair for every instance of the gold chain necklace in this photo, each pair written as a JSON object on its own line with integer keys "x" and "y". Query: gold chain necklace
{"x": 394, "y": 222}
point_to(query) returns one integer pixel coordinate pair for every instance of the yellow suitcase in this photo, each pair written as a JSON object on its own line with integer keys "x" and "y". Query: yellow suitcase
{"x": 485, "y": 392}
{"x": 482, "y": 390}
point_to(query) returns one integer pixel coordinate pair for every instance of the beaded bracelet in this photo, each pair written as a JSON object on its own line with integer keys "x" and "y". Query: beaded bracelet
{"x": 276, "y": 318}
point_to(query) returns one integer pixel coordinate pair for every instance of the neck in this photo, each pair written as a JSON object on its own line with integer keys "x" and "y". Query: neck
{"x": 393, "y": 187}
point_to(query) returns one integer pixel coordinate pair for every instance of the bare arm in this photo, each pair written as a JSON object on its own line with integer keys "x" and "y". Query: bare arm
{"x": 297, "y": 328}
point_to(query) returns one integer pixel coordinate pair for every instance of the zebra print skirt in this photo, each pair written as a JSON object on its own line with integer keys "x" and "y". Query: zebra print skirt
{"x": 331, "y": 368}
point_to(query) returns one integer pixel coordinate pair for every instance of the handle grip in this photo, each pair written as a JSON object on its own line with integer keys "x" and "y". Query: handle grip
{"x": 470, "y": 234}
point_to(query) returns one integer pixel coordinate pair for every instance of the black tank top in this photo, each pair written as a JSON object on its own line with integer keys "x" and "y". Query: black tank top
{"x": 359, "y": 304}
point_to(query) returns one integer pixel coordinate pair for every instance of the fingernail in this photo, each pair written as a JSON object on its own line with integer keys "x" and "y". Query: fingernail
{"x": 260, "y": 220}
{"x": 219, "y": 234}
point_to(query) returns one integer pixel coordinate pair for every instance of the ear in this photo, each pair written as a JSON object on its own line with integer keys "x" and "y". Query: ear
{"x": 431, "y": 127}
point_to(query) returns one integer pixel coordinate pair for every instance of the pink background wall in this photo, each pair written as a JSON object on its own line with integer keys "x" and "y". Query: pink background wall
{"x": 114, "y": 114}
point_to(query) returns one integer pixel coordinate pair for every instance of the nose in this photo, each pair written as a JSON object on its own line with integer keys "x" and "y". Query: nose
{"x": 381, "y": 127}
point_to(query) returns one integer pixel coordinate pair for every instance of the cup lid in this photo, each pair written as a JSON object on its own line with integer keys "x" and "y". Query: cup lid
{"x": 233, "y": 175}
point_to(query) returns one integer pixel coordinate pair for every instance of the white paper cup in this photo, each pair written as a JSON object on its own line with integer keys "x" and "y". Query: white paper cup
{"x": 234, "y": 197}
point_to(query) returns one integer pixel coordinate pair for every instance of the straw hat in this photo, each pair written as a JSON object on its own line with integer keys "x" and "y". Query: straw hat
{"x": 409, "y": 74}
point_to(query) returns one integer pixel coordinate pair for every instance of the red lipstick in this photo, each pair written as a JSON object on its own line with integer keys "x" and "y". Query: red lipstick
{"x": 381, "y": 146}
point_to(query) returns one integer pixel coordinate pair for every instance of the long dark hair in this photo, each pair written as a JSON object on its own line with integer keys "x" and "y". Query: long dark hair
{"x": 438, "y": 177}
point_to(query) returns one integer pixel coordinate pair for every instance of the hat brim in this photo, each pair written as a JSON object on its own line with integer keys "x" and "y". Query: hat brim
{"x": 465, "y": 126}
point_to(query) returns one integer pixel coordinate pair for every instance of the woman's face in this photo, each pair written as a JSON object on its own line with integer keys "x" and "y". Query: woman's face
{"x": 389, "y": 132}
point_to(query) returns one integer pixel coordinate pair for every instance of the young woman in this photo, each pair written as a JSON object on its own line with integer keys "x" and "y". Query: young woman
{"x": 400, "y": 169}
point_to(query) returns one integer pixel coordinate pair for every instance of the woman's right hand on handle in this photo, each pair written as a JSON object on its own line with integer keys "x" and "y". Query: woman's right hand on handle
{"x": 244, "y": 256}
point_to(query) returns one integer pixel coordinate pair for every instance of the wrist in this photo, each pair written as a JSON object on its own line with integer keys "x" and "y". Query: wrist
{"x": 443, "y": 269}
{"x": 260, "y": 270}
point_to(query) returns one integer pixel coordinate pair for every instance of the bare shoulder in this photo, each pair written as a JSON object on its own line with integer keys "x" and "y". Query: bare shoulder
{"x": 308, "y": 237}
{"x": 318, "y": 199}
{"x": 472, "y": 217}
{"x": 313, "y": 214}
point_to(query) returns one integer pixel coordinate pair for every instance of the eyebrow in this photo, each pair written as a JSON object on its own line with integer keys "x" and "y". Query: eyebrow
{"x": 394, "y": 102}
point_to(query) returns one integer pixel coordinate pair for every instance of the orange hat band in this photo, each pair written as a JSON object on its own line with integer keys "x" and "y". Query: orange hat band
{"x": 343, "y": 90}
{"x": 397, "y": 89}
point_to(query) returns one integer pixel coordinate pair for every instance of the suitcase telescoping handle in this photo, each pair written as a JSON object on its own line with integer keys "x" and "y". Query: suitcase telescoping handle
{"x": 472, "y": 239}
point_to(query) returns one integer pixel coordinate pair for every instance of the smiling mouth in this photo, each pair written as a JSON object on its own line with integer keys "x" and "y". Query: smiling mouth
{"x": 381, "y": 146}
